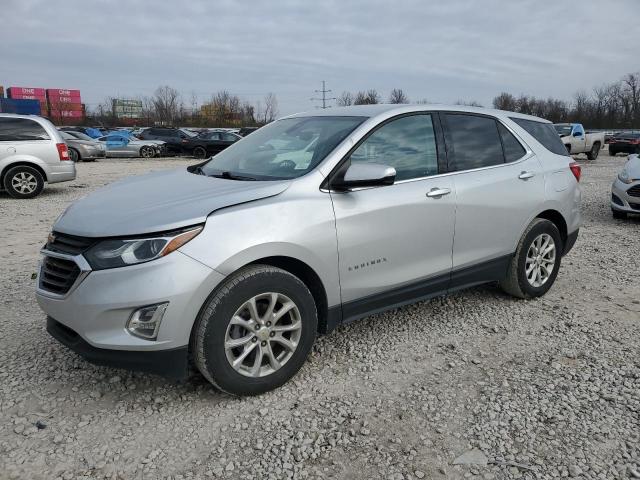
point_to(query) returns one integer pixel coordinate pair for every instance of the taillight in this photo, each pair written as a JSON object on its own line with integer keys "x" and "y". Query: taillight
{"x": 576, "y": 169}
{"x": 635, "y": 141}
{"x": 63, "y": 151}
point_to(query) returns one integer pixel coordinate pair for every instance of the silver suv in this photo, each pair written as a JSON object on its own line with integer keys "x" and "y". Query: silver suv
{"x": 311, "y": 222}
{"x": 32, "y": 152}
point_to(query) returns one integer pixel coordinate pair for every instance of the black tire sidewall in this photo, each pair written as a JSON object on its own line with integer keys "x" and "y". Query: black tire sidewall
{"x": 199, "y": 149}
{"x": 146, "y": 149}
{"x": 219, "y": 369}
{"x": 23, "y": 168}
{"x": 542, "y": 227}
{"x": 74, "y": 155}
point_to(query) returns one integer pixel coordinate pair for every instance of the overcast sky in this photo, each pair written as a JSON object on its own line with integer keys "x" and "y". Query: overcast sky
{"x": 456, "y": 49}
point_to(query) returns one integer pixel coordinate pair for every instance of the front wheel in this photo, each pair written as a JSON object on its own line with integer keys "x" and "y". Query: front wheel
{"x": 147, "y": 152}
{"x": 256, "y": 331}
{"x": 534, "y": 267}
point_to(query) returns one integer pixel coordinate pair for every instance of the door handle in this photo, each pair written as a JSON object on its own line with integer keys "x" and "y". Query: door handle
{"x": 526, "y": 175}
{"x": 438, "y": 192}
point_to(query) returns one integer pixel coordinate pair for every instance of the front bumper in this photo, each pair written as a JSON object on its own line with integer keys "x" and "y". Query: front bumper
{"x": 621, "y": 200}
{"x": 63, "y": 171}
{"x": 95, "y": 310}
{"x": 171, "y": 363}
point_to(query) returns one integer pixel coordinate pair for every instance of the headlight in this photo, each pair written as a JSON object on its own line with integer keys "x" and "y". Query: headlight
{"x": 623, "y": 176}
{"x": 123, "y": 252}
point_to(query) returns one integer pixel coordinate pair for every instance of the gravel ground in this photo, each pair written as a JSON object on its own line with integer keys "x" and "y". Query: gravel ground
{"x": 474, "y": 385}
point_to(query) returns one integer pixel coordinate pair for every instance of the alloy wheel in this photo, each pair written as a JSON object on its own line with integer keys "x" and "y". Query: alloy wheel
{"x": 263, "y": 334}
{"x": 541, "y": 260}
{"x": 24, "y": 183}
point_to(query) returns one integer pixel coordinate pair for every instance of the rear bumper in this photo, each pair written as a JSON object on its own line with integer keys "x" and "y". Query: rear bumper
{"x": 62, "y": 172}
{"x": 167, "y": 363}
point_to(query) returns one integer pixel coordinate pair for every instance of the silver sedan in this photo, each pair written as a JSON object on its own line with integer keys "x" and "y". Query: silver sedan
{"x": 625, "y": 191}
{"x": 119, "y": 145}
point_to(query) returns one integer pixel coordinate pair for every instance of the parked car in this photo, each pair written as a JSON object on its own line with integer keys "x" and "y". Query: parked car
{"x": 244, "y": 131}
{"x": 625, "y": 191}
{"x": 237, "y": 263}
{"x": 32, "y": 152}
{"x": 209, "y": 143}
{"x": 173, "y": 137}
{"x": 123, "y": 145}
{"x": 89, "y": 131}
{"x": 83, "y": 150}
{"x": 577, "y": 141}
{"x": 624, "y": 143}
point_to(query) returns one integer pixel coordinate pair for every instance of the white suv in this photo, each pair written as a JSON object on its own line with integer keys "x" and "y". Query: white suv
{"x": 32, "y": 152}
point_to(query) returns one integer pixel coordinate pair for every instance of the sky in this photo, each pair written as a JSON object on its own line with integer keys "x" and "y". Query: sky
{"x": 441, "y": 51}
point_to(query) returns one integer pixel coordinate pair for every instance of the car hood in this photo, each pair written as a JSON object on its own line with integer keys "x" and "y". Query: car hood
{"x": 158, "y": 202}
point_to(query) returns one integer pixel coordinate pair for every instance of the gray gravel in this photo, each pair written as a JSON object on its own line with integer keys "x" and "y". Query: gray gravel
{"x": 502, "y": 388}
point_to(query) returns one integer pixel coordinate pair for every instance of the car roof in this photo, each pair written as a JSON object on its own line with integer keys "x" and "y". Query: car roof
{"x": 388, "y": 110}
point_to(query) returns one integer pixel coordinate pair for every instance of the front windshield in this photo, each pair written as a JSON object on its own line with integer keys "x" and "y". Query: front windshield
{"x": 283, "y": 149}
{"x": 563, "y": 130}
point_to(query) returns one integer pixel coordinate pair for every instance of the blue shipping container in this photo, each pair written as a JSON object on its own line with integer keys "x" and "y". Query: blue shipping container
{"x": 23, "y": 107}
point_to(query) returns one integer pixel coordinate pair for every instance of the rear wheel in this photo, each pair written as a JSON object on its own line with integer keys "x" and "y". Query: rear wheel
{"x": 147, "y": 152}
{"x": 256, "y": 331}
{"x": 74, "y": 155}
{"x": 534, "y": 267}
{"x": 619, "y": 215}
{"x": 23, "y": 182}
{"x": 595, "y": 150}
{"x": 199, "y": 152}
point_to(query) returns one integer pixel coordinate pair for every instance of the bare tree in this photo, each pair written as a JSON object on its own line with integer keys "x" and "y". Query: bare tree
{"x": 345, "y": 99}
{"x": 367, "y": 98}
{"x": 505, "y": 101}
{"x": 398, "y": 96}
{"x": 270, "y": 111}
{"x": 167, "y": 105}
{"x": 469, "y": 103}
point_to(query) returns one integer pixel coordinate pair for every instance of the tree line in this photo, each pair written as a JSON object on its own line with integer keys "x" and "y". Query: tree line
{"x": 167, "y": 106}
{"x": 610, "y": 106}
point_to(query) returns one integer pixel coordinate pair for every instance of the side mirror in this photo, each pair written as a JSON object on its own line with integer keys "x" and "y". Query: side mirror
{"x": 577, "y": 134}
{"x": 365, "y": 175}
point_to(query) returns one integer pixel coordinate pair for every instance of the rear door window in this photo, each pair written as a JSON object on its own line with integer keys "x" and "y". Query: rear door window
{"x": 473, "y": 141}
{"x": 543, "y": 133}
{"x": 21, "y": 129}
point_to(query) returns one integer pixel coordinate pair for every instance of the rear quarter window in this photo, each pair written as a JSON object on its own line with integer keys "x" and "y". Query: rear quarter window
{"x": 21, "y": 129}
{"x": 544, "y": 133}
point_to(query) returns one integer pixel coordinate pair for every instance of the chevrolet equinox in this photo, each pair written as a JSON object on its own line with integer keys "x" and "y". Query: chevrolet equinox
{"x": 235, "y": 265}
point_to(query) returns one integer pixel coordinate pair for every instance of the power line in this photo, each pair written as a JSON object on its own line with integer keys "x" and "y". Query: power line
{"x": 324, "y": 98}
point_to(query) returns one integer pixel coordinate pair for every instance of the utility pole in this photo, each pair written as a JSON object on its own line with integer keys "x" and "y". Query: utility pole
{"x": 324, "y": 98}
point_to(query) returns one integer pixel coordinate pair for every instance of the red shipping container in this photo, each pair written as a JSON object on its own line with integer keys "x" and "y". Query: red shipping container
{"x": 25, "y": 91}
{"x": 57, "y": 99}
{"x": 24, "y": 96}
{"x": 55, "y": 93}
{"x": 66, "y": 114}
{"x": 61, "y": 106}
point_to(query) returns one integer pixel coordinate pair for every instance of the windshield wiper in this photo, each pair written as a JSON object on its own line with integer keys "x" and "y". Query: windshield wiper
{"x": 232, "y": 176}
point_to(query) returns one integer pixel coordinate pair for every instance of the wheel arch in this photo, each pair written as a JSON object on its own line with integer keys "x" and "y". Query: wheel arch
{"x": 22, "y": 163}
{"x": 309, "y": 277}
{"x": 555, "y": 217}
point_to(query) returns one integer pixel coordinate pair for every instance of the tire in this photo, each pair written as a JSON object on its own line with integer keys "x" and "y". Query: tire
{"x": 619, "y": 215}
{"x": 612, "y": 153}
{"x": 200, "y": 152}
{"x": 226, "y": 317}
{"x": 147, "y": 152}
{"x": 516, "y": 282}
{"x": 23, "y": 181}
{"x": 74, "y": 155}
{"x": 595, "y": 150}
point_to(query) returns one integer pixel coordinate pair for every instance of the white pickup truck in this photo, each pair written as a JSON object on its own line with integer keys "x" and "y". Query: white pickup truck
{"x": 578, "y": 141}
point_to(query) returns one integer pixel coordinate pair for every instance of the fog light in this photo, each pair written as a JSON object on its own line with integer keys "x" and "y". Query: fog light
{"x": 145, "y": 322}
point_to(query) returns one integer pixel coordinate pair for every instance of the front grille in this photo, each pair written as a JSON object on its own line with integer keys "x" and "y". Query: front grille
{"x": 69, "y": 244}
{"x": 58, "y": 275}
{"x": 634, "y": 191}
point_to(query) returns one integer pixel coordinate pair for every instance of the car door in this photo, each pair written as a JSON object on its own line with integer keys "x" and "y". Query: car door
{"x": 117, "y": 145}
{"x": 394, "y": 242}
{"x": 499, "y": 185}
{"x": 213, "y": 143}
